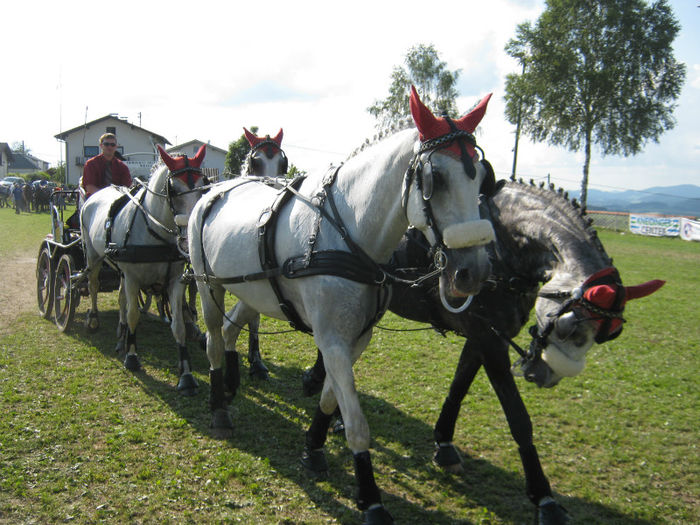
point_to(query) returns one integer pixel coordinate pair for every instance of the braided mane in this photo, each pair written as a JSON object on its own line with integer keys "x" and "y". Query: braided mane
{"x": 558, "y": 199}
{"x": 407, "y": 123}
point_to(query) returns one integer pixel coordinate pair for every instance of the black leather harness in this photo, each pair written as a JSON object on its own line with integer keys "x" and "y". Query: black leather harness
{"x": 150, "y": 253}
{"x": 354, "y": 265}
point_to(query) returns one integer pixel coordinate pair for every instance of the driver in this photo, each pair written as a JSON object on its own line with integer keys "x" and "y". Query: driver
{"x": 105, "y": 169}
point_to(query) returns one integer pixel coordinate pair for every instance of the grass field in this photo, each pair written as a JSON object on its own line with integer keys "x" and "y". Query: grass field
{"x": 82, "y": 440}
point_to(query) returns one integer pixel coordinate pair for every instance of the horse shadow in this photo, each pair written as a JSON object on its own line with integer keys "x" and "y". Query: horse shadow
{"x": 499, "y": 493}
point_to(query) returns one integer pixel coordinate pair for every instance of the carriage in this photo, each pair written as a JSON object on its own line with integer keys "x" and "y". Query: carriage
{"x": 60, "y": 278}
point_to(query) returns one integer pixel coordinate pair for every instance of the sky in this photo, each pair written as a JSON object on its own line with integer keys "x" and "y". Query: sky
{"x": 203, "y": 70}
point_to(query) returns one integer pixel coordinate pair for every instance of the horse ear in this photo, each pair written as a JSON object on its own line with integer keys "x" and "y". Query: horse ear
{"x": 199, "y": 157}
{"x": 428, "y": 125}
{"x": 253, "y": 139}
{"x": 278, "y": 138}
{"x": 471, "y": 120}
{"x": 642, "y": 290}
{"x": 167, "y": 159}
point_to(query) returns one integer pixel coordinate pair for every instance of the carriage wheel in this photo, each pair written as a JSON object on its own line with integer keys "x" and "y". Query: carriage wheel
{"x": 65, "y": 299}
{"x": 44, "y": 283}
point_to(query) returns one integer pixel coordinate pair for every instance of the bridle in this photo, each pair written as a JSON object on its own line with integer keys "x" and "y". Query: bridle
{"x": 250, "y": 160}
{"x": 425, "y": 184}
{"x": 583, "y": 302}
{"x": 189, "y": 175}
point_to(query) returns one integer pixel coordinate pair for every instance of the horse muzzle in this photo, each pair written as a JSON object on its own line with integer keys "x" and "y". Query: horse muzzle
{"x": 468, "y": 234}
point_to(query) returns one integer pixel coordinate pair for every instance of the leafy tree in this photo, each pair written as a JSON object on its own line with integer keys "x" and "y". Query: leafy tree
{"x": 596, "y": 71}
{"x": 237, "y": 152}
{"x": 293, "y": 171}
{"x": 434, "y": 82}
{"x": 19, "y": 147}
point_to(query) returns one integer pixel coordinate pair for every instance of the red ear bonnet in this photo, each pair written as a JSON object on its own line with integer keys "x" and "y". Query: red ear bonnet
{"x": 252, "y": 138}
{"x": 642, "y": 290}
{"x": 431, "y": 127}
{"x": 181, "y": 162}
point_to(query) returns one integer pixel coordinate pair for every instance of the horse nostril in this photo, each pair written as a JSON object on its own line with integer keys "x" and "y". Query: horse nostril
{"x": 462, "y": 276}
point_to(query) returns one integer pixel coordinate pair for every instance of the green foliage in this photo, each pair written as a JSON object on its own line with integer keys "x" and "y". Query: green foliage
{"x": 596, "y": 72}
{"x": 237, "y": 152}
{"x": 434, "y": 82}
{"x": 84, "y": 441}
{"x": 293, "y": 171}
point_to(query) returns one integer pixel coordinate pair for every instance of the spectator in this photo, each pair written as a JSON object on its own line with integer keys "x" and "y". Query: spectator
{"x": 19, "y": 198}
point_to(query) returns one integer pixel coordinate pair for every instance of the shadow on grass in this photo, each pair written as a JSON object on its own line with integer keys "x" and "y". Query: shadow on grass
{"x": 265, "y": 428}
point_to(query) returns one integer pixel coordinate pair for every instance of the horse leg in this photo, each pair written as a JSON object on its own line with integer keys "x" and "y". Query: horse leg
{"x": 212, "y": 304}
{"x": 190, "y": 313}
{"x": 122, "y": 328}
{"x": 237, "y": 318}
{"x": 312, "y": 379}
{"x": 446, "y": 454}
{"x": 257, "y": 368}
{"x": 187, "y": 385}
{"x": 339, "y": 390}
{"x": 92, "y": 322}
{"x": 497, "y": 365}
{"x": 131, "y": 291}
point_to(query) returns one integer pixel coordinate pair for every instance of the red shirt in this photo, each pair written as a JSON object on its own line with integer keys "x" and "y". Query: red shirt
{"x": 94, "y": 172}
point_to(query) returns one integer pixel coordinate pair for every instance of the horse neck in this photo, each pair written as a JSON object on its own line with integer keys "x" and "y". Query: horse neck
{"x": 540, "y": 232}
{"x": 368, "y": 194}
{"x": 155, "y": 201}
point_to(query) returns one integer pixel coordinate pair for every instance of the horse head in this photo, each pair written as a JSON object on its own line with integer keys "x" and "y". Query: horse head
{"x": 570, "y": 320}
{"x": 183, "y": 187}
{"x": 449, "y": 176}
{"x": 266, "y": 157}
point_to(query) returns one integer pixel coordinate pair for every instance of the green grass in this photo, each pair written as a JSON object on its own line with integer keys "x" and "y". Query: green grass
{"x": 82, "y": 440}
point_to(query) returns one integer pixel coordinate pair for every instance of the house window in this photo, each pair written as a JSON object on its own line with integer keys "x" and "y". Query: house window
{"x": 111, "y": 130}
{"x": 91, "y": 151}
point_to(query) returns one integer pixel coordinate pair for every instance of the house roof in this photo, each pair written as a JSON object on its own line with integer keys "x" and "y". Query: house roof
{"x": 64, "y": 134}
{"x": 194, "y": 142}
{"x": 8, "y": 150}
{"x": 20, "y": 161}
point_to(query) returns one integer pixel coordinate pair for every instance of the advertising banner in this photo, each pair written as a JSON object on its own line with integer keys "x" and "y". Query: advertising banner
{"x": 690, "y": 230}
{"x": 655, "y": 226}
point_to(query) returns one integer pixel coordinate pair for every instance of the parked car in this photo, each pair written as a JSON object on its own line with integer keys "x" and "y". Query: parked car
{"x": 9, "y": 181}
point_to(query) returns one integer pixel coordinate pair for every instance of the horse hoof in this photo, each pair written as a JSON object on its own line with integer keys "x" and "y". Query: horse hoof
{"x": 551, "y": 513}
{"x": 310, "y": 383}
{"x": 131, "y": 362}
{"x": 221, "y": 424}
{"x": 377, "y": 516}
{"x": 259, "y": 371}
{"x": 119, "y": 347}
{"x": 314, "y": 461}
{"x": 447, "y": 458}
{"x": 187, "y": 385}
{"x": 92, "y": 323}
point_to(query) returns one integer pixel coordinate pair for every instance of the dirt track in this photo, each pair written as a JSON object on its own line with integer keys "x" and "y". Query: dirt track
{"x": 17, "y": 289}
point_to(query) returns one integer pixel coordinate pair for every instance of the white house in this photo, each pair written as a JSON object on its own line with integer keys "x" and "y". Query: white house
{"x": 5, "y": 158}
{"x": 214, "y": 160}
{"x": 136, "y": 144}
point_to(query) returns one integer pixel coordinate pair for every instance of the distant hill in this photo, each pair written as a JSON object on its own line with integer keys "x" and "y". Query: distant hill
{"x": 683, "y": 199}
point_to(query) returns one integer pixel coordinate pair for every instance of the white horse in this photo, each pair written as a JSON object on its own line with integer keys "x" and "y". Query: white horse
{"x": 266, "y": 159}
{"x": 142, "y": 233}
{"x": 312, "y": 254}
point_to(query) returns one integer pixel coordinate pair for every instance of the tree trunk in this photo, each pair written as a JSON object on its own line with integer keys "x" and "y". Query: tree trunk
{"x": 586, "y": 165}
